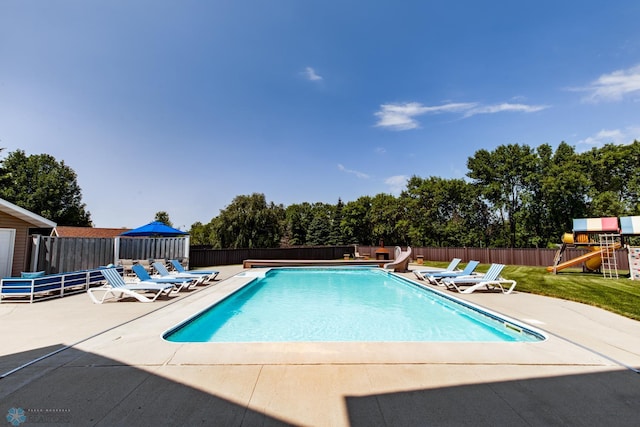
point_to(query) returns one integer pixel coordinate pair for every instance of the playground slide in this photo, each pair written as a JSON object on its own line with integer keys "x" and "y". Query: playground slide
{"x": 580, "y": 259}
{"x": 576, "y": 260}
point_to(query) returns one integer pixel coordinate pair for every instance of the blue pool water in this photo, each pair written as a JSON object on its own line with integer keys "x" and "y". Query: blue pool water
{"x": 338, "y": 304}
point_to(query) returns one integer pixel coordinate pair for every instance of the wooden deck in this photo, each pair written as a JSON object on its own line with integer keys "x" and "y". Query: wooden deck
{"x": 251, "y": 263}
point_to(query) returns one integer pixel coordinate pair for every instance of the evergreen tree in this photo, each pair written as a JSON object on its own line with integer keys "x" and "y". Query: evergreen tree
{"x": 336, "y": 235}
{"x": 320, "y": 226}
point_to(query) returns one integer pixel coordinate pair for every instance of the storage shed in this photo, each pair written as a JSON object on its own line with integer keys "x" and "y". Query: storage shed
{"x": 15, "y": 225}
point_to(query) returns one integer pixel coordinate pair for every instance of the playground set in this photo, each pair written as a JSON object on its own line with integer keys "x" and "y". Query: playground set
{"x": 602, "y": 237}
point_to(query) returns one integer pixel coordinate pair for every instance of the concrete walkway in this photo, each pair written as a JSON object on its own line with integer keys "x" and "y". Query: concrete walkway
{"x": 112, "y": 368}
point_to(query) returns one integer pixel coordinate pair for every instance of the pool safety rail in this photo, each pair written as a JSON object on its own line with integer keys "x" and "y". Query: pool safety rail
{"x": 16, "y": 289}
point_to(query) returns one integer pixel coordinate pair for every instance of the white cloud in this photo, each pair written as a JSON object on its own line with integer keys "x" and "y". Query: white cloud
{"x": 610, "y": 136}
{"x": 396, "y": 183}
{"x": 380, "y": 150}
{"x": 311, "y": 75}
{"x": 402, "y": 116}
{"x": 614, "y": 86}
{"x": 504, "y": 107}
{"x": 360, "y": 175}
{"x": 399, "y": 117}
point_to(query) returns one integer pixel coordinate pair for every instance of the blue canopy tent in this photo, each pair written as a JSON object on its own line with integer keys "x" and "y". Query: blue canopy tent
{"x": 155, "y": 228}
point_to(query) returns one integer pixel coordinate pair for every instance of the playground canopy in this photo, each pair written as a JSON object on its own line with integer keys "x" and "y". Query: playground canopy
{"x": 596, "y": 225}
{"x": 630, "y": 225}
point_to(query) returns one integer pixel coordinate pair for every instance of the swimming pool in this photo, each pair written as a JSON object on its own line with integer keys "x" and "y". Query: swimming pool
{"x": 344, "y": 304}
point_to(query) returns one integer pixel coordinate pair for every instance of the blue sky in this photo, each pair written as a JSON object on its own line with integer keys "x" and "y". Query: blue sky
{"x": 180, "y": 106}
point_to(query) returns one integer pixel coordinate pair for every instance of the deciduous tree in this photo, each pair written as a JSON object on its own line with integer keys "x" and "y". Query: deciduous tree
{"x": 503, "y": 178}
{"x": 356, "y": 223}
{"x": 44, "y": 186}
{"x": 249, "y": 222}
{"x": 163, "y": 217}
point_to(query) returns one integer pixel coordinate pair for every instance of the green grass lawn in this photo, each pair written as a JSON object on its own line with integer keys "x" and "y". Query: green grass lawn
{"x": 620, "y": 296}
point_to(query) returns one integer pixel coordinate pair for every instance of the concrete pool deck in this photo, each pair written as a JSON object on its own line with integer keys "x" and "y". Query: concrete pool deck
{"x": 113, "y": 368}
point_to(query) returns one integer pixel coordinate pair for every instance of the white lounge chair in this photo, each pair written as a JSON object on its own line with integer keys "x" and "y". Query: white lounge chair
{"x": 163, "y": 272}
{"x": 452, "y": 267}
{"x": 437, "y": 277}
{"x": 118, "y": 288}
{"x": 491, "y": 280}
{"x": 178, "y": 282}
{"x": 180, "y": 270}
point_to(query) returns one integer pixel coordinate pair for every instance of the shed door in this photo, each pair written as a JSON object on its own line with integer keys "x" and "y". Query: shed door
{"x": 7, "y": 240}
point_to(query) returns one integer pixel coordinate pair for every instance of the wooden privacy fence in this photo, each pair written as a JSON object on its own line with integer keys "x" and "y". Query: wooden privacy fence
{"x": 536, "y": 257}
{"x": 202, "y": 256}
{"x": 63, "y": 254}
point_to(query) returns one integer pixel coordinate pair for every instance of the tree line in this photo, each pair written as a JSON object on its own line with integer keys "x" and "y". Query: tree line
{"x": 513, "y": 196}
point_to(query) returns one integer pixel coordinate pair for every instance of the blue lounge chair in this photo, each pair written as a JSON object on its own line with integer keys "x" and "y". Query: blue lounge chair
{"x": 178, "y": 282}
{"x": 180, "y": 269}
{"x": 491, "y": 280}
{"x": 453, "y": 265}
{"x": 163, "y": 272}
{"x": 118, "y": 288}
{"x": 437, "y": 277}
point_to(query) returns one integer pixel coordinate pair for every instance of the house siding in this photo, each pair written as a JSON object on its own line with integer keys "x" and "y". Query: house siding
{"x": 20, "y": 248}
